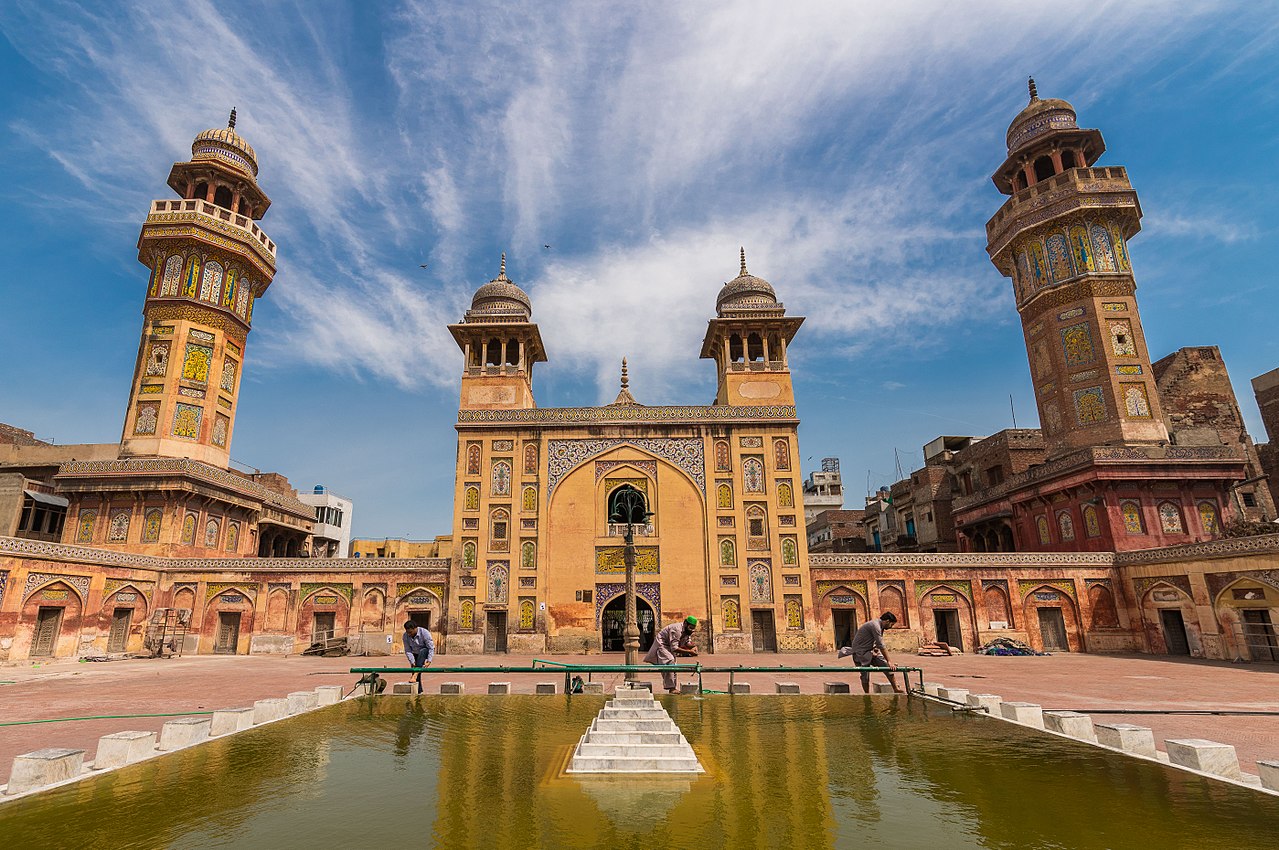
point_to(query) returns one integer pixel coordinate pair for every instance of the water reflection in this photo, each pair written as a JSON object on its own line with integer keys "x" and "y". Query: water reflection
{"x": 782, "y": 771}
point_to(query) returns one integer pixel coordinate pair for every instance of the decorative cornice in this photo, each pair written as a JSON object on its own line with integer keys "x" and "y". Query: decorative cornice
{"x": 934, "y": 560}
{"x": 181, "y": 466}
{"x": 573, "y": 416}
{"x": 1231, "y": 547}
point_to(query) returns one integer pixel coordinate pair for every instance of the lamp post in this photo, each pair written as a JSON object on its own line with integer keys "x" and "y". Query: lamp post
{"x": 626, "y": 505}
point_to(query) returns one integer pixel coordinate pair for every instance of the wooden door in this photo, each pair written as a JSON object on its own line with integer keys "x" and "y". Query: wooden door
{"x": 228, "y": 637}
{"x": 845, "y": 622}
{"x": 1052, "y": 628}
{"x": 946, "y": 622}
{"x": 48, "y": 625}
{"x": 1259, "y": 635}
{"x": 495, "y": 634}
{"x": 1174, "y": 631}
{"x": 323, "y": 626}
{"x": 118, "y": 640}
{"x": 763, "y": 634}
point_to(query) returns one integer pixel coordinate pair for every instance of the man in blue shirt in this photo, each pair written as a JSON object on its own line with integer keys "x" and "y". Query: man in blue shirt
{"x": 419, "y": 649}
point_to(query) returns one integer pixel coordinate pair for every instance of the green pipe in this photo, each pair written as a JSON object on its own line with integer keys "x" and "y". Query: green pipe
{"x": 100, "y": 717}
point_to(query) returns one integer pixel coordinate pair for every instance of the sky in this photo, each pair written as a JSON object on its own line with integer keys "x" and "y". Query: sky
{"x": 619, "y": 154}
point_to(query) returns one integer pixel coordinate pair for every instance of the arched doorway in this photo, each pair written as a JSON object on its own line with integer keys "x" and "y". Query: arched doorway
{"x": 613, "y": 623}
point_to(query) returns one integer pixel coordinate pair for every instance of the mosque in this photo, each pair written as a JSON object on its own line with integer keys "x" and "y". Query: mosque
{"x": 1120, "y": 528}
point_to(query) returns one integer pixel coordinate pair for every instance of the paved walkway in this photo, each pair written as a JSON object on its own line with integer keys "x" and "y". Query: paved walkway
{"x": 206, "y": 682}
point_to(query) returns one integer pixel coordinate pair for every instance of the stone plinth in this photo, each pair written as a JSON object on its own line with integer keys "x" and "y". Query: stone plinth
{"x": 884, "y": 688}
{"x": 1138, "y": 740}
{"x": 633, "y": 734}
{"x": 545, "y": 688}
{"x": 740, "y": 688}
{"x": 403, "y": 688}
{"x": 266, "y": 710}
{"x": 499, "y": 687}
{"x": 184, "y": 732}
{"x": 592, "y": 687}
{"x": 689, "y": 688}
{"x": 787, "y": 687}
{"x": 837, "y": 688}
{"x": 1070, "y": 723}
{"x": 452, "y": 688}
{"x": 121, "y": 748}
{"x": 329, "y": 694}
{"x": 228, "y": 720}
{"x": 1207, "y": 756}
{"x": 300, "y": 701}
{"x": 1025, "y": 713}
{"x": 1269, "y": 771}
{"x": 988, "y": 703}
{"x": 931, "y": 688}
{"x": 44, "y": 767}
{"x": 959, "y": 695}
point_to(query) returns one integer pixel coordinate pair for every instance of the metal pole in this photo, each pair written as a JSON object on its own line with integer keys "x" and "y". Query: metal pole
{"x": 630, "y": 634}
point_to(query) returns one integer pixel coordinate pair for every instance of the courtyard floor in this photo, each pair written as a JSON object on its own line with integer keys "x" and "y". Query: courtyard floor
{"x": 1068, "y": 681}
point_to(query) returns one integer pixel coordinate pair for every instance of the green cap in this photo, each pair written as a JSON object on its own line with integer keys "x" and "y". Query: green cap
{"x": 692, "y": 621}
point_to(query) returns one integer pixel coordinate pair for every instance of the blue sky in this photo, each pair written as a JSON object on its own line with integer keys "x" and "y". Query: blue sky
{"x": 848, "y": 147}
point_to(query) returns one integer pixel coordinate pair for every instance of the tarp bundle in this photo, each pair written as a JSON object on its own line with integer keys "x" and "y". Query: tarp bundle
{"x": 1007, "y": 646}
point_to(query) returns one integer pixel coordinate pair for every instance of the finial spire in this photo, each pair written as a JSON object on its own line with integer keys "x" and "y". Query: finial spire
{"x": 502, "y": 271}
{"x": 625, "y": 380}
{"x": 743, "y": 271}
{"x": 624, "y": 396}
{"x": 1034, "y": 92}
{"x": 230, "y": 122}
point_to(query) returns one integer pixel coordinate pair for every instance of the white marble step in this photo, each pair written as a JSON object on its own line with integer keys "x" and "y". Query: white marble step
{"x": 593, "y": 737}
{"x": 590, "y": 750}
{"x": 640, "y": 764}
{"x": 633, "y": 714}
{"x": 655, "y": 725}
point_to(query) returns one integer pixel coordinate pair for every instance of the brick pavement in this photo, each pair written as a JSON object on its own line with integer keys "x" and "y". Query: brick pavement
{"x": 1075, "y": 681}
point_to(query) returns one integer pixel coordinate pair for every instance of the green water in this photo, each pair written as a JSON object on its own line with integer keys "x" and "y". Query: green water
{"x": 782, "y": 771}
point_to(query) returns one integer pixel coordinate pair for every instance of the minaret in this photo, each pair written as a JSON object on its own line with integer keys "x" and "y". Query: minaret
{"x": 208, "y": 261}
{"x": 748, "y": 341}
{"x": 1062, "y": 238}
{"x": 500, "y": 346}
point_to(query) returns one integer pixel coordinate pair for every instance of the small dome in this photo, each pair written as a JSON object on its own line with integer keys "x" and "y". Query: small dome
{"x": 225, "y": 144}
{"x": 745, "y": 292}
{"x": 1039, "y": 117}
{"x": 501, "y": 296}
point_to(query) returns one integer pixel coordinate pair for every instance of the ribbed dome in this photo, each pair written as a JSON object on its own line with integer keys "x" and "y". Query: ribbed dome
{"x": 745, "y": 292}
{"x": 225, "y": 144}
{"x": 1038, "y": 118}
{"x": 501, "y": 296}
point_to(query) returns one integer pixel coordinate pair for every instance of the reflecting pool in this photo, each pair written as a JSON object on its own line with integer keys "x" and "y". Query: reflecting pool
{"x": 782, "y": 771}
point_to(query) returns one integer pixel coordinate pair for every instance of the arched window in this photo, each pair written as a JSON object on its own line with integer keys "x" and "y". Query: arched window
{"x": 736, "y": 353}
{"x": 753, "y": 475}
{"x": 781, "y": 454}
{"x": 529, "y": 500}
{"x": 1101, "y": 603}
{"x": 222, "y": 197}
{"x": 501, "y": 478}
{"x": 790, "y": 551}
{"x": 526, "y": 615}
{"x": 1066, "y": 525}
{"x": 756, "y": 528}
{"x": 512, "y": 352}
{"x": 761, "y": 582}
{"x": 468, "y": 555}
{"x": 211, "y": 529}
{"x": 151, "y": 525}
{"x": 755, "y": 346}
{"x": 528, "y": 555}
{"x": 1068, "y": 159}
{"x": 1043, "y": 168}
{"x": 84, "y": 534}
{"x": 211, "y": 283}
{"x": 472, "y": 500}
{"x": 466, "y": 620}
{"x": 530, "y": 459}
{"x": 172, "y": 275}
{"x": 188, "y": 529}
{"x": 1132, "y": 517}
{"x": 722, "y": 458}
{"x": 785, "y": 495}
{"x": 794, "y": 613}
{"x": 732, "y": 614}
{"x": 500, "y": 530}
{"x": 497, "y": 583}
{"x": 1170, "y": 518}
{"x": 494, "y": 353}
{"x": 473, "y": 459}
{"x": 1092, "y": 527}
{"x": 201, "y": 191}
{"x": 1045, "y": 537}
{"x": 724, "y": 495}
{"x": 727, "y": 552}
{"x": 191, "y": 281}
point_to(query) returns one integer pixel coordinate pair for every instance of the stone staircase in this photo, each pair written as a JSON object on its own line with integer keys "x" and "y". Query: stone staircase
{"x": 633, "y": 734}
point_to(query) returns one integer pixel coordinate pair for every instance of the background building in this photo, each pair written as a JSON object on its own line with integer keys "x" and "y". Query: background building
{"x": 331, "y": 533}
{"x": 824, "y": 490}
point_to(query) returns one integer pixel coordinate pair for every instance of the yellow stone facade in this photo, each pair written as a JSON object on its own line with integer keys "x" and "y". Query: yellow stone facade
{"x": 537, "y": 566}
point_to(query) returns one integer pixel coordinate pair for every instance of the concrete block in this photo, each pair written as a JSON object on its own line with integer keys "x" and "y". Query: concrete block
{"x": 987, "y": 702}
{"x": 545, "y": 688}
{"x": 266, "y": 710}
{"x": 1208, "y": 756}
{"x": 184, "y": 731}
{"x": 592, "y": 687}
{"x": 788, "y": 687}
{"x": 931, "y": 688}
{"x": 300, "y": 701}
{"x": 884, "y": 688}
{"x": 121, "y": 748}
{"x": 329, "y": 694}
{"x": 1138, "y": 740}
{"x": 44, "y": 767}
{"x": 1025, "y": 713}
{"x": 959, "y": 695}
{"x": 228, "y": 720}
{"x": 740, "y": 688}
{"x": 499, "y": 687}
{"x": 408, "y": 688}
{"x": 1269, "y": 771}
{"x": 837, "y": 688}
{"x": 689, "y": 688}
{"x": 635, "y": 686}
{"x": 454, "y": 688}
{"x": 1070, "y": 723}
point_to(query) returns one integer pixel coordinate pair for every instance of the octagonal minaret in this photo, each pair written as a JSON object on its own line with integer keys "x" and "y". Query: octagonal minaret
{"x": 1062, "y": 238}
{"x": 208, "y": 260}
